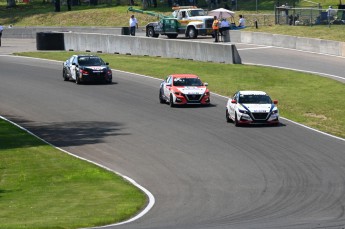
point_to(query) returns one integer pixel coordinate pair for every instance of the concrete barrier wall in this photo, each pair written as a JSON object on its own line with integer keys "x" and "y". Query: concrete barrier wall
{"x": 239, "y": 36}
{"x": 200, "y": 51}
{"x": 300, "y": 43}
{"x": 30, "y": 32}
{"x": 284, "y": 41}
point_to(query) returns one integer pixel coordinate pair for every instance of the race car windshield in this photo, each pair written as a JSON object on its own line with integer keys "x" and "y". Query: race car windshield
{"x": 187, "y": 82}
{"x": 90, "y": 61}
{"x": 255, "y": 99}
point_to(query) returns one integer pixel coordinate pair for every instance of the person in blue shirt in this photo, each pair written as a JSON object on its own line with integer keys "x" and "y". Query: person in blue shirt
{"x": 1, "y": 29}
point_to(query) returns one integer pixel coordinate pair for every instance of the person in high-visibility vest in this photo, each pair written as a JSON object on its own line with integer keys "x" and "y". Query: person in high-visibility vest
{"x": 215, "y": 27}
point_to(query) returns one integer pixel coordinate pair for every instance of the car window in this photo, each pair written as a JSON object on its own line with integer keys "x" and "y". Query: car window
{"x": 90, "y": 61}
{"x": 194, "y": 13}
{"x": 168, "y": 80}
{"x": 74, "y": 60}
{"x": 187, "y": 82}
{"x": 255, "y": 99}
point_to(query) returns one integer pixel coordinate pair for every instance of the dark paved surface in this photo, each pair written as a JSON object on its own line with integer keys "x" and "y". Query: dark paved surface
{"x": 203, "y": 172}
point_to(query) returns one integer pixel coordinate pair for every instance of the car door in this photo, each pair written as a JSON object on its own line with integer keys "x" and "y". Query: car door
{"x": 73, "y": 67}
{"x": 68, "y": 66}
{"x": 232, "y": 106}
{"x": 167, "y": 86}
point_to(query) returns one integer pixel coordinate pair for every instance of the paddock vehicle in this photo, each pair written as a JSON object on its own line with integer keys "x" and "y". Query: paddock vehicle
{"x": 180, "y": 89}
{"x": 189, "y": 20}
{"x": 252, "y": 107}
{"x": 86, "y": 68}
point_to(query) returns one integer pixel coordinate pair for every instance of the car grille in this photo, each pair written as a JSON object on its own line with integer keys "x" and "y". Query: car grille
{"x": 193, "y": 98}
{"x": 208, "y": 23}
{"x": 97, "y": 75}
{"x": 260, "y": 116}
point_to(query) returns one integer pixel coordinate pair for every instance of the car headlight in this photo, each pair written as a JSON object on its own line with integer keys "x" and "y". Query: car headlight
{"x": 207, "y": 93}
{"x": 243, "y": 111}
{"x": 178, "y": 93}
{"x": 83, "y": 72}
{"x": 275, "y": 112}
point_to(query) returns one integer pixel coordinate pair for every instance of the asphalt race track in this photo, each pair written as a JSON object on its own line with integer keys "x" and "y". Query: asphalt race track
{"x": 203, "y": 172}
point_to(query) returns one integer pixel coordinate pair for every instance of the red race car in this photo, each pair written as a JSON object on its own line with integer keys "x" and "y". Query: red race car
{"x": 179, "y": 89}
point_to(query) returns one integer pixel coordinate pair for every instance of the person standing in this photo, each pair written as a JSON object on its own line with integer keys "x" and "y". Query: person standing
{"x": 1, "y": 29}
{"x": 215, "y": 27}
{"x": 331, "y": 13}
{"x": 133, "y": 24}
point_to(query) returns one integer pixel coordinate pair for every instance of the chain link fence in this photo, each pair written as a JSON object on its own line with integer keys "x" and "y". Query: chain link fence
{"x": 309, "y": 16}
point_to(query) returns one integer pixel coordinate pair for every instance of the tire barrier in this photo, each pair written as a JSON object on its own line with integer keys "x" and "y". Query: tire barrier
{"x": 50, "y": 41}
{"x": 125, "y": 31}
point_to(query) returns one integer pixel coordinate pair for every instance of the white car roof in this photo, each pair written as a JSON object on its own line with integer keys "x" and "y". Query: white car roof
{"x": 252, "y": 93}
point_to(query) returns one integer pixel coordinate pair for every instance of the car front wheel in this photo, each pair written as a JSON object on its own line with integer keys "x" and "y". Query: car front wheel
{"x": 64, "y": 75}
{"x": 77, "y": 79}
{"x": 171, "y": 101}
{"x": 151, "y": 32}
{"x": 161, "y": 100}
{"x": 192, "y": 33}
{"x": 228, "y": 119}
{"x": 236, "y": 120}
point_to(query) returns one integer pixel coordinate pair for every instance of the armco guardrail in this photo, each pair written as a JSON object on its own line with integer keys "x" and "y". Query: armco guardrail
{"x": 201, "y": 51}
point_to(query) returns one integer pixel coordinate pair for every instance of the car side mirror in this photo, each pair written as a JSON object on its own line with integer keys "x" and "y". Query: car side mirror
{"x": 205, "y": 84}
{"x": 233, "y": 101}
{"x": 107, "y": 63}
{"x": 275, "y": 101}
{"x": 73, "y": 63}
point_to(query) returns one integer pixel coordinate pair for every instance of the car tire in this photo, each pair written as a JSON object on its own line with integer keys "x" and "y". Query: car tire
{"x": 64, "y": 75}
{"x": 236, "y": 120}
{"x": 191, "y": 32}
{"x": 151, "y": 32}
{"x": 77, "y": 79}
{"x": 228, "y": 119}
{"x": 161, "y": 100}
{"x": 171, "y": 101}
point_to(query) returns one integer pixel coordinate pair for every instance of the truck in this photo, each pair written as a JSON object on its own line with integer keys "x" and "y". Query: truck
{"x": 188, "y": 20}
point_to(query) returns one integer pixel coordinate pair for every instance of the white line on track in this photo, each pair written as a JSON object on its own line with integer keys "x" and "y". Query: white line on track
{"x": 151, "y": 201}
{"x": 298, "y": 70}
{"x": 277, "y": 47}
{"x": 265, "y": 47}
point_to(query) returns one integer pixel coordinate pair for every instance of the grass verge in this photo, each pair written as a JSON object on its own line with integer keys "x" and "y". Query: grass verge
{"x": 305, "y": 98}
{"x": 42, "y": 187}
{"x": 40, "y": 14}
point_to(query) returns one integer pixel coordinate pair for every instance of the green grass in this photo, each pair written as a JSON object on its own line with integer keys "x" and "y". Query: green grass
{"x": 304, "y": 98}
{"x": 42, "y": 187}
{"x": 113, "y": 15}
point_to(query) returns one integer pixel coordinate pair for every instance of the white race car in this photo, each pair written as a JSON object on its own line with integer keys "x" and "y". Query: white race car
{"x": 252, "y": 107}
